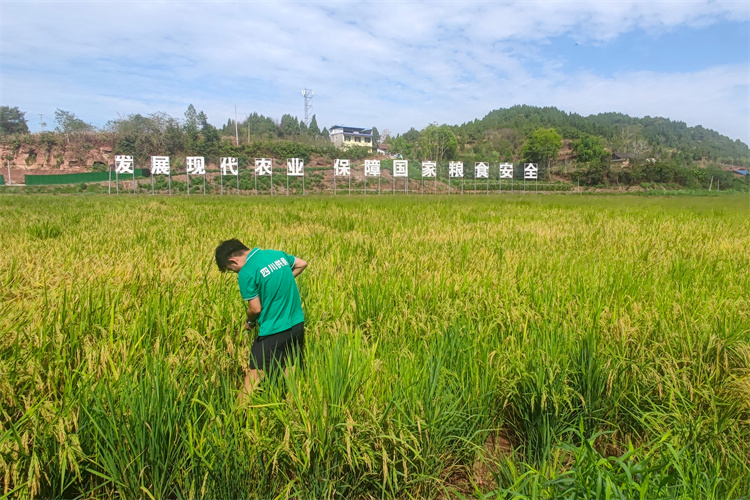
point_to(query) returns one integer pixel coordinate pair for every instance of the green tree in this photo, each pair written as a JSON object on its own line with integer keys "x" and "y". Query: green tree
{"x": 261, "y": 126}
{"x": 174, "y": 136}
{"x": 589, "y": 149}
{"x": 314, "y": 129}
{"x": 404, "y": 144}
{"x": 542, "y": 147}
{"x": 438, "y": 143}
{"x": 289, "y": 126}
{"x": 211, "y": 139}
{"x": 194, "y": 121}
{"x": 12, "y": 121}
{"x": 375, "y": 137}
{"x": 140, "y": 136}
{"x": 68, "y": 123}
{"x": 191, "y": 121}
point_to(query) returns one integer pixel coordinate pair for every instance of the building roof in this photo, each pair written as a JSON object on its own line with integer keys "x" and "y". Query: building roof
{"x": 362, "y": 132}
{"x": 348, "y": 128}
{"x": 622, "y": 156}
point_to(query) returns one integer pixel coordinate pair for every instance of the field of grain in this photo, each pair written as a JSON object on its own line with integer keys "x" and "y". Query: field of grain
{"x": 551, "y": 346}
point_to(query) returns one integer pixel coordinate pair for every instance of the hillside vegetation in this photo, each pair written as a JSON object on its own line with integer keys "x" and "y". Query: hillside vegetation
{"x": 653, "y": 137}
{"x": 608, "y": 149}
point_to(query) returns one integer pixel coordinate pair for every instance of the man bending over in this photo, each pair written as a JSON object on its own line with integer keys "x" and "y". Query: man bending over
{"x": 266, "y": 279}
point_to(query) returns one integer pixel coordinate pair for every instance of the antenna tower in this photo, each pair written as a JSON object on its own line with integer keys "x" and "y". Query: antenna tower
{"x": 308, "y": 95}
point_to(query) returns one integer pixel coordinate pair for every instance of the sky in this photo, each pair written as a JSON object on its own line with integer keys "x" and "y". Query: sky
{"x": 390, "y": 64}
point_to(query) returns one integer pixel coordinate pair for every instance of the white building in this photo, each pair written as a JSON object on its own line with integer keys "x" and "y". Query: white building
{"x": 346, "y": 137}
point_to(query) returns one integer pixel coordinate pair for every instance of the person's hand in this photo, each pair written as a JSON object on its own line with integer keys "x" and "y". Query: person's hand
{"x": 249, "y": 325}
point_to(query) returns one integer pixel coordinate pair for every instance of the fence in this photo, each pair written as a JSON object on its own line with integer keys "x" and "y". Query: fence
{"x": 46, "y": 180}
{"x": 250, "y": 181}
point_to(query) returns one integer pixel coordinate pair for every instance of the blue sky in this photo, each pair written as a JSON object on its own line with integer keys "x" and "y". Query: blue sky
{"x": 389, "y": 64}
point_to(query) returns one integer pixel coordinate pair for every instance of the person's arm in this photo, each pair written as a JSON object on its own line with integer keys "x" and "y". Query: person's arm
{"x": 253, "y": 311}
{"x": 299, "y": 266}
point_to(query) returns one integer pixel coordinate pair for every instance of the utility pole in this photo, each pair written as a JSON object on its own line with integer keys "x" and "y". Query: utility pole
{"x": 236, "y": 132}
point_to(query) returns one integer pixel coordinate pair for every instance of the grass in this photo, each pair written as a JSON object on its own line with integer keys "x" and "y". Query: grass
{"x": 605, "y": 340}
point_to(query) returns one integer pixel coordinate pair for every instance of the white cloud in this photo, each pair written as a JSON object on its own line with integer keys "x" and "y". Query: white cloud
{"x": 390, "y": 64}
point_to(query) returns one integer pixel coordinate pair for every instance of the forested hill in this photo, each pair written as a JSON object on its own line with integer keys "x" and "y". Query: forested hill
{"x": 620, "y": 132}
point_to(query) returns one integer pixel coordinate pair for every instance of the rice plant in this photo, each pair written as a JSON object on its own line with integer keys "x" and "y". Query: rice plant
{"x": 477, "y": 347}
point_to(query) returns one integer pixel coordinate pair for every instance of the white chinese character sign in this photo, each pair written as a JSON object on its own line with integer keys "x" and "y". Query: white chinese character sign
{"x": 481, "y": 170}
{"x": 506, "y": 170}
{"x": 196, "y": 165}
{"x": 429, "y": 169}
{"x": 295, "y": 167}
{"x": 160, "y": 166}
{"x": 124, "y": 164}
{"x": 372, "y": 168}
{"x": 341, "y": 168}
{"x": 229, "y": 166}
{"x": 530, "y": 170}
{"x": 400, "y": 168}
{"x": 456, "y": 169}
{"x": 263, "y": 167}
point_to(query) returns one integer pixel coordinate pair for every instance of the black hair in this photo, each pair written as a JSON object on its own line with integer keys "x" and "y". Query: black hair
{"x": 226, "y": 250}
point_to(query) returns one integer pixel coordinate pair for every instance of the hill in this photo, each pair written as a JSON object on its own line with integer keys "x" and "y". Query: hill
{"x": 598, "y": 150}
{"x": 621, "y": 133}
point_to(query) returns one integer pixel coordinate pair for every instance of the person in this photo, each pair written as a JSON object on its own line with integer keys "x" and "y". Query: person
{"x": 267, "y": 282}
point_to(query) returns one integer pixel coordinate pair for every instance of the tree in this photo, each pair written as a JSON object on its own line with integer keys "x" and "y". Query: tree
{"x": 261, "y": 126}
{"x": 193, "y": 122}
{"x": 504, "y": 143}
{"x": 404, "y": 144}
{"x": 438, "y": 143}
{"x": 210, "y": 141}
{"x": 174, "y": 137}
{"x": 411, "y": 135}
{"x": 211, "y": 136}
{"x": 289, "y": 125}
{"x": 542, "y": 146}
{"x": 136, "y": 135}
{"x": 375, "y": 137}
{"x": 314, "y": 129}
{"x": 144, "y": 136}
{"x": 589, "y": 149}
{"x": 12, "y": 121}
{"x": 68, "y": 123}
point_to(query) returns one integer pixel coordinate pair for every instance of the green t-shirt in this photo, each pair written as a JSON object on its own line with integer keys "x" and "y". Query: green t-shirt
{"x": 268, "y": 274}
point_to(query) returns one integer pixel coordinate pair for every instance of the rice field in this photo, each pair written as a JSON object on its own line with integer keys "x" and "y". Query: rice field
{"x": 539, "y": 347}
